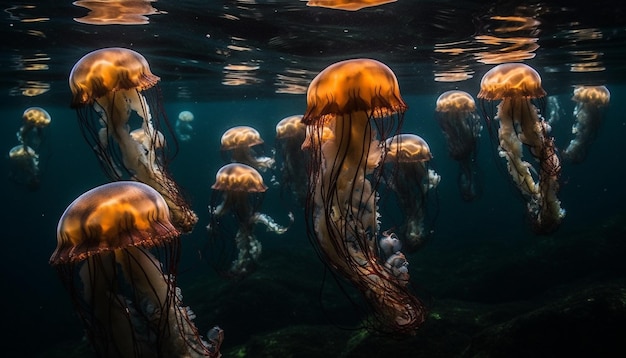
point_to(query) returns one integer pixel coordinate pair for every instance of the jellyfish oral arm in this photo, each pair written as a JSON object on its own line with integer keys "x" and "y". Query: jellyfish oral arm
{"x": 270, "y": 224}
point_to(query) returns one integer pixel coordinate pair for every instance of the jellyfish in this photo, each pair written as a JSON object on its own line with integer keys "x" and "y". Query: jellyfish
{"x": 460, "y": 123}
{"x": 521, "y": 125}
{"x": 117, "y": 255}
{"x": 35, "y": 119}
{"x": 359, "y": 101}
{"x": 240, "y": 143}
{"x": 591, "y": 101}
{"x": 24, "y": 166}
{"x": 411, "y": 180}
{"x": 184, "y": 130}
{"x": 349, "y": 5}
{"x": 290, "y": 135}
{"x": 236, "y": 202}
{"x": 114, "y": 92}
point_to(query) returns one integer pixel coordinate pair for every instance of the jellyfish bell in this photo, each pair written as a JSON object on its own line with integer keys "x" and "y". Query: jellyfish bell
{"x": 290, "y": 136}
{"x": 184, "y": 129}
{"x": 290, "y": 127}
{"x": 511, "y": 80}
{"x": 349, "y": 5}
{"x": 114, "y": 92}
{"x": 407, "y": 147}
{"x": 239, "y": 142}
{"x": 34, "y": 120}
{"x": 117, "y": 254}
{"x": 24, "y": 166}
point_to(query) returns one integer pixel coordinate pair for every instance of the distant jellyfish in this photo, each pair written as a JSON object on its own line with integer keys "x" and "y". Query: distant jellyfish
{"x": 460, "y": 123}
{"x": 236, "y": 203}
{"x": 521, "y": 125}
{"x": 290, "y": 135}
{"x": 241, "y": 144}
{"x": 591, "y": 102}
{"x": 35, "y": 119}
{"x": 350, "y": 5}
{"x": 24, "y": 166}
{"x": 353, "y": 106}
{"x": 114, "y": 92}
{"x": 411, "y": 179}
{"x": 184, "y": 130}
{"x": 117, "y": 255}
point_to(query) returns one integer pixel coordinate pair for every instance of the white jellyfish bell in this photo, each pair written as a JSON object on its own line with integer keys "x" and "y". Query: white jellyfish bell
{"x": 184, "y": 129}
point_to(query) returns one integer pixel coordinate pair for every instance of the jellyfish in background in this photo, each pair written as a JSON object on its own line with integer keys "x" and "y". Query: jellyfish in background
{"x": 521, "y": 125}
{"x": 184, "y": 130}
{"x": 35, "y": 119}
{"x": 290, "y": 135}
{"x": 24, "y": 166}
{"x": 359, "y": 101}
{"x": 591, "y": 101}
{"x": 240, "y": 142}
{"x": 460, "y": 123}
{"x": 411, "y": 180}
{"x": 114, "y": 92}
{"x": 349, "y": 5}
{"x": 236, "y": 202}
{"x": 117, "y": 255}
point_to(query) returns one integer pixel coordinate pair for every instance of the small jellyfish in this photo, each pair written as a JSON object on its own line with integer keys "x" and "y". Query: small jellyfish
{"x": 184, "y": 129}
{"x": 24, "y": 166}
{"x": 236, "y": 203}
{"x": 349, "y": 5}
{"x": 240, "y": 142}
{"x": 460, "y": 123}
{"x": 114, "y": 92}
{"x": 290, "y": 135}
{"x": 591, "y": 102}
{"x": 35, "y": 119}
{"x": 117, "y": 255}
{"x": 521, "y": 125}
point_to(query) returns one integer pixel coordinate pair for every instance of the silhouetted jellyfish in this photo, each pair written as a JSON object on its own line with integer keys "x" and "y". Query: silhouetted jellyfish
{"x": 460, "y": 123}
{"x": 117, "y": 255}
{"x": 290, "y": 135}
{"x": 236, "y": 203}
{"x": 591, "y": 101}
{"x": 240, "y": 143}
{"x": 359, "y": 100}
{"x": 184, "y": 130}
{"x": 521, "y": 124}
{"x": 35, "y": 119}
{"x": 114, "y": 92}
{"x": 350, "y": 5}
{"x": 24, "y": 166}
{"x": 411, "y": 179}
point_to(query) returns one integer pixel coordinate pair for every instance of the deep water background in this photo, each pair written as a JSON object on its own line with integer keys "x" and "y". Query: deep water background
{"x": 40, "y": 319}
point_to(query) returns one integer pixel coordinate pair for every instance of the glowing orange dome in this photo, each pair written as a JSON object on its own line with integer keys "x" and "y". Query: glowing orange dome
{"x": 108, "y": 70}
{"x": 112, "y": 216}
{"x": 351, "y": 5}
{"x": 239, "y": 177}
{"x": 455, "y": 101}
{"x": 510, "y": 80}
{"x": 290, "y": 126}
{"x": 408, "y": 148}
{"x": 351, "y": 86}
{"x": 597, "y": 95}
{"x": 36, "y": 117}
{"x": 240, "y": 136}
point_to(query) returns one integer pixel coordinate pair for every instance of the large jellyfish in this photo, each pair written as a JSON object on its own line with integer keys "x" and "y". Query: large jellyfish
{"x": 290, "y": 135}
{"x": 184, "y": 129}
{"x": 35, "y": 119}
{"x": 411, "y": 180}
{"x": 591, "y": 101}
{"x": 359, "y": 100}
{"x": 117, "y": 255}
{"x": 114, "y": 92}
{"x": 240, "y": 142}
{"x": 24, "y": 166}
{"x": 236, "y": 203}
{"x": 521, "y": 125}
{"x": 460, "y": 123}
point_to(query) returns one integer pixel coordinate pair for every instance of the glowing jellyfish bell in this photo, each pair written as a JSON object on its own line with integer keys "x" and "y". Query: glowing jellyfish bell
{"x": 184, "y": 129}
{"x": 24, "y": 166}
{"x": 350, "y": 5}
{"x": 239, "y": 141}
{"x": 125, "y": 294}
{"x": 34, "y": 120}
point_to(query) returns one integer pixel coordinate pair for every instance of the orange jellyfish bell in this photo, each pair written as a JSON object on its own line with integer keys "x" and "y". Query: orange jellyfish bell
{"x": 112, "y": 216}
{"x": 350, "y": 5}
{"x": 595, "y": 95}
{"x": 36, "y": 117}
{"x": 511, "y": 80}
{"x": 107, "y": 70}
{"x": 357, "y": 85}
{"x": 239, "y": 177}
{"x": 455, "y": 101}
{"x": 408, "y": 148}
{"x": 240, "y": 136}
{"x": 290, "y": 126}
